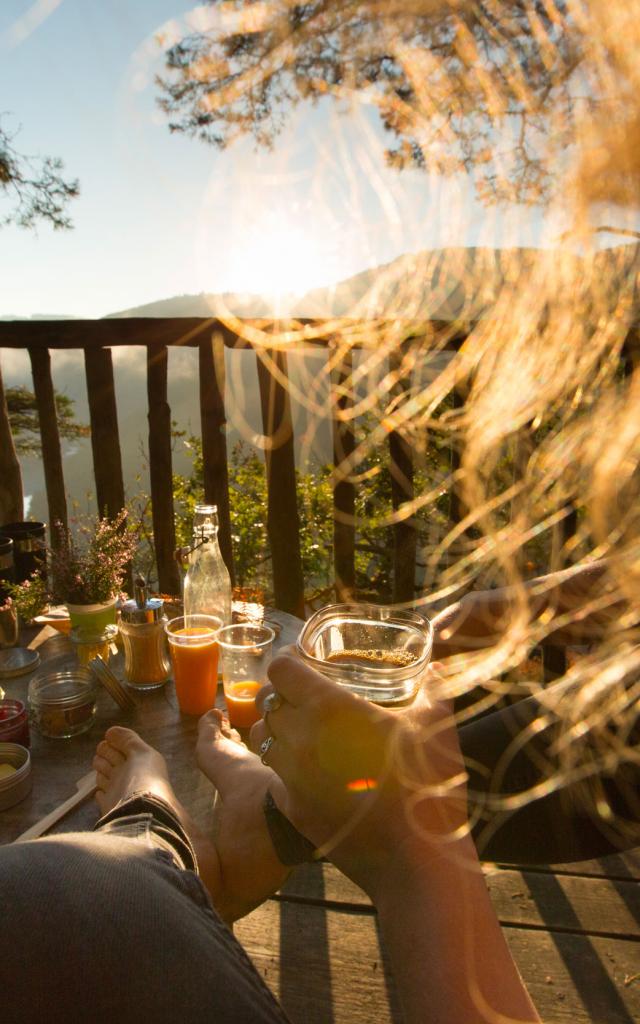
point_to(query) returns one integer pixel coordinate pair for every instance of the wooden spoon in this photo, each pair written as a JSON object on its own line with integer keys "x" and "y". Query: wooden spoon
{"x": 86, "y": 786}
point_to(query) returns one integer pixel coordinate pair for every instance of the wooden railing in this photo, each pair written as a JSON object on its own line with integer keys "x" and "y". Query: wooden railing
{"x": 96, "y": 338}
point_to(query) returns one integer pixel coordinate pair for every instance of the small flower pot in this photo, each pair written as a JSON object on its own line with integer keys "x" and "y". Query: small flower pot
{"x": 94, "y": 617}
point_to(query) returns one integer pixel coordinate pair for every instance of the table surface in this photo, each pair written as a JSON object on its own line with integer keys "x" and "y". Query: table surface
{"x": 57, "y": 764}
{"x": 574, "y": 930}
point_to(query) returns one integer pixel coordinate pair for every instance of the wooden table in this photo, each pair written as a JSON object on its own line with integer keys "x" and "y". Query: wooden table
{"x": 57, "y": 764}
{"x": 574, "y": 930}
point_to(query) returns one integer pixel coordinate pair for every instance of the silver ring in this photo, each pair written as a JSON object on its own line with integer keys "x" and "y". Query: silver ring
{"x": 265, "y": 747}
{"x": 271, "y": 703}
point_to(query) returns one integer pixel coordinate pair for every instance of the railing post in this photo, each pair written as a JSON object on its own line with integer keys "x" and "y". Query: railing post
{"x": 214, "y": 442}
{"x": 404, "y": 529}
{"x": 161, "y": 470}
{"x": 50, "y": 438}
{"x": 11, "y": 493}
{"x": 344, "y": 502}
{"x": 105, "y": 439}
{"x": 283, "y": 522}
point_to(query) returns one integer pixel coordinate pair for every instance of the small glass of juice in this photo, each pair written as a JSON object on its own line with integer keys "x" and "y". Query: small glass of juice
{"x": 194, "y": 656}
{"x": 245, "y": 649}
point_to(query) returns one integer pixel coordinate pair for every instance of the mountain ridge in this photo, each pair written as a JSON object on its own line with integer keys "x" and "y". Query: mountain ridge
{"x": 451, "y": 283}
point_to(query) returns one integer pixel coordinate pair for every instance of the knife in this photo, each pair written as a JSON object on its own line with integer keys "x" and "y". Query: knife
{"x": 86, "y": 786}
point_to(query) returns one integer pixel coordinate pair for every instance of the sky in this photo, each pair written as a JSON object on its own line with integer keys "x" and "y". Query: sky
{"x": 162, "y": 215}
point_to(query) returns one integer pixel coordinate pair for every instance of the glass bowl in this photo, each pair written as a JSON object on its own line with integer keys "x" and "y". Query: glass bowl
{"x": 376, "y": 651}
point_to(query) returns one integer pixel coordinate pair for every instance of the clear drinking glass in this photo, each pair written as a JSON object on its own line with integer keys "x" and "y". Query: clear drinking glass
{"x": 245, "y": 650}
{"x": 376, "y": 651}
{"x": 194, "y": 655}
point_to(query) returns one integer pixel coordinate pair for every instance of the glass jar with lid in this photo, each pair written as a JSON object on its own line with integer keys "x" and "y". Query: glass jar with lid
{"x": 142, "y": 621}
{"x": 63, "y": 704}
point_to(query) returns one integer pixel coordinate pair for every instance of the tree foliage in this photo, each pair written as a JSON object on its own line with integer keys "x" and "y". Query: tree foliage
{"x": 467, "y": 85}
{"x": 25, "y": 422}
{"x": 33, "y": 188}
{"x": 373, "y": 508}
{"x": 248, "y": 509}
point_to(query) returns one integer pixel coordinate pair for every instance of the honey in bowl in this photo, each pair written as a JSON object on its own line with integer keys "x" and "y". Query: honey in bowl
{"x": 375, "y": 656}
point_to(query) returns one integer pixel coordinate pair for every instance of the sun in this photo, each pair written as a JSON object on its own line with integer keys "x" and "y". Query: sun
{"x": 276, "y": 256}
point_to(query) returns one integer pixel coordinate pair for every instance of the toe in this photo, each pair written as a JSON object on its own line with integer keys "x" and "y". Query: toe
{"x": 234, "y": 735}
{"x": 123, "y": 740}
{"x": 212, "y": 720}
{"x": 109, "y": 753}
{"x": 215, "y": 724}
{"x": 102, "y": 766}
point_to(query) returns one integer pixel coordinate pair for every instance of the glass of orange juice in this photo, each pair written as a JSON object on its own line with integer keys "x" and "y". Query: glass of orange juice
{"x": 194, "y": 655}
{"x": 245, "y": 649}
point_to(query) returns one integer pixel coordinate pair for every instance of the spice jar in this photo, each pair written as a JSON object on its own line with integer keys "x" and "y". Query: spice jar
{"x": 142, "y": 620}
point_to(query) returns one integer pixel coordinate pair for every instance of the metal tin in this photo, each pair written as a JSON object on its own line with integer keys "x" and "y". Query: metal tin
{"x": 17, "y": 661}
{"x": 6, "y": 554}
{"x": 17, "y": 786}
{"x": 29, "y": 548}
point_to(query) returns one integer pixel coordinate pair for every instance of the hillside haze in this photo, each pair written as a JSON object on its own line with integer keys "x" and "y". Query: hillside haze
{"x": 441, "y": 284}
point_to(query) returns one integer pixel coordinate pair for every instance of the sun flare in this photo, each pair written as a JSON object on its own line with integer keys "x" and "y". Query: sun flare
{"x": 277, "y": 257}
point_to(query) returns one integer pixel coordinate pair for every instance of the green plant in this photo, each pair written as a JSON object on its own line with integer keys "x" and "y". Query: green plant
{"x": 30, "y": 597}
{"x": 89, "y": 568}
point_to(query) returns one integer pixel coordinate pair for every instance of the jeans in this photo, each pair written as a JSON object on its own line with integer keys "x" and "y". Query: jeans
{"x": 114, "y": 926}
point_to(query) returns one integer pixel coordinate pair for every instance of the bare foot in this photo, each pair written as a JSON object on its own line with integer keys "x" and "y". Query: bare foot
{"x": 249, "y": 867}
{"x": 125, "y": 765}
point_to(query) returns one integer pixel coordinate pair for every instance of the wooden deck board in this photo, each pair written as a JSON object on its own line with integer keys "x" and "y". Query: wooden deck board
{"x": 543, "y": 900}
{"x": 331, "y": 966}
{"x": 334, "y": 968}
{"x": 577, "y": 978}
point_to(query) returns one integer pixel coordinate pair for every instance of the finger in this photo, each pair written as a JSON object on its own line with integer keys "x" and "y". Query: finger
{"x": 298, "y": 683}
{"x": 268, "y": 688}
{"x": 285, "y": 722}
{"x": 261, "y": 696}
{"x": 258, "y": 735}
{"x": 430, "y": 689}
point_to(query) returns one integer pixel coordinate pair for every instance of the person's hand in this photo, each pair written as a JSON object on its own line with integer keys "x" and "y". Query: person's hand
{"x": 367, "y": 785}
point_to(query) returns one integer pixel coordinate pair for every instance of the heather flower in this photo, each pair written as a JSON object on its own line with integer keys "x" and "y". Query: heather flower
{"x": 91, "y": 569}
